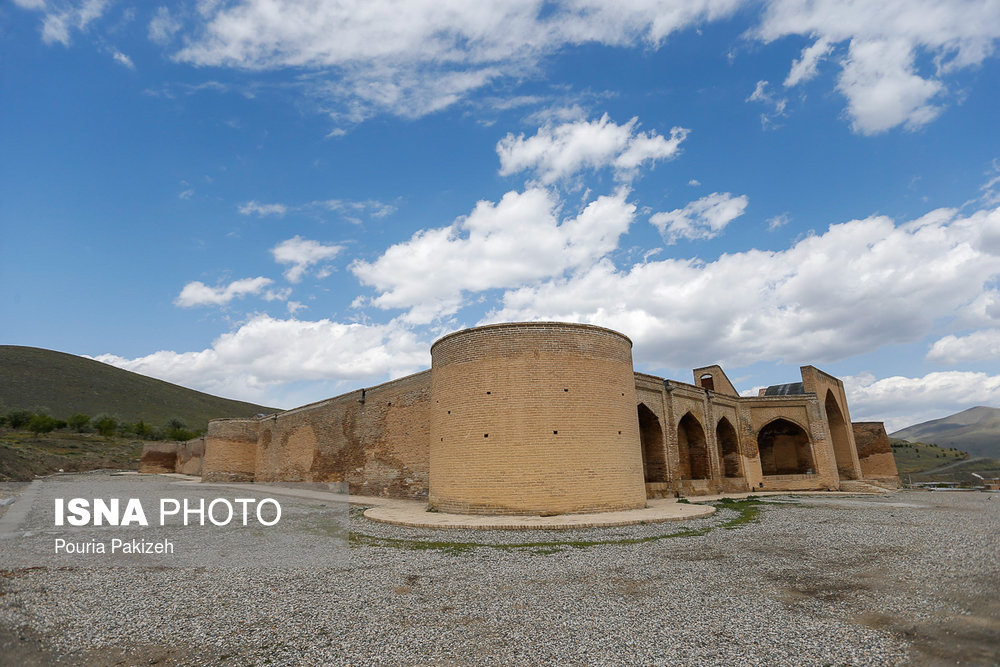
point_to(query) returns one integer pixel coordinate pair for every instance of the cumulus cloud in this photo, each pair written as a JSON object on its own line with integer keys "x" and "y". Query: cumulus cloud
{"x": 199, "y": 294}
{"x": 302, "y": 254}
{"x": 861, "y": 285}
{"x": 560, "y": 151}
{"x": 701, "y": 219}
{"x": 518, "y": 239}
{"x": 912, "y": 400}
{"x": 262, "y": 210}
{"x": 983, "y": 345}
{"x": 883, "y": 91}
{"x": 879, "y": 76}
{"x": 252, "y": 362}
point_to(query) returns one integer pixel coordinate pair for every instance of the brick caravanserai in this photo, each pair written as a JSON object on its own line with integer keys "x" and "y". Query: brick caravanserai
{"x": 549, "y": 418}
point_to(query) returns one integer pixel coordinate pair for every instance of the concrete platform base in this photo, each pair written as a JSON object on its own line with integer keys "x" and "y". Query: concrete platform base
{"x": 414, "y": 513}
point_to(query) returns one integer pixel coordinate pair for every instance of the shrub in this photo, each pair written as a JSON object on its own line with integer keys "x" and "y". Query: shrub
{"x": 106, "y": 425}
{"x": 79, "y": 422}
{"x": 19, "y": 418}
{"x": 39, "y": 424}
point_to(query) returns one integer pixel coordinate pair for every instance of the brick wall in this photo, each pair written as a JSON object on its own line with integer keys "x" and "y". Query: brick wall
{"x": 230, "y": 450}
{"x": 375, "y": 439}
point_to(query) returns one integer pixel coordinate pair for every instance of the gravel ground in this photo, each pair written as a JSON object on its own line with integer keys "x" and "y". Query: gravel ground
{"x": 910, "y": 578}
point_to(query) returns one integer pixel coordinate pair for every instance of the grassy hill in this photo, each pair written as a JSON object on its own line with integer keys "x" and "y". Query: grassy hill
{"x": 925, "y": 462}
{"x": 23, "y": 456}
{"x": 61, "y": 385}
{"x": 976, "y": 430}
{"x": 916, "y": 457}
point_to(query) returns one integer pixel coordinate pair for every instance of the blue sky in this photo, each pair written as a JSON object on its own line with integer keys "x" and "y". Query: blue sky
{"x": 280, "y": 201}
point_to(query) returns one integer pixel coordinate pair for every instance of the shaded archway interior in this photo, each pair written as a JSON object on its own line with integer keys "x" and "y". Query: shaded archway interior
{"x": 729, "y": 449}
{"x": 784, "y": 449}
{"x": 692, "y": 448}
{"x": 654, "y": 455}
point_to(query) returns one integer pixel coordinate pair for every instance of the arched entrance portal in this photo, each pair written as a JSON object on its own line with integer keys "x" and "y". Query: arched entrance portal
{"x": 729, "y": 449}
{"x": 841, "y": 442}
{"x": 692, "y": 448}
{"x": 654, "y": 459}
{"x": 784, "y": 449}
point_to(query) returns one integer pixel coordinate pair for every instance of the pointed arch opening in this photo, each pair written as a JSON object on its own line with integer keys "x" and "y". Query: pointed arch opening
{"x": 784, "y": 449}
{"x": 841, "y": 440}
{"x": 693, "y": 448}
{"x": 729, "y": 449}
{"x": 654, "y": 458}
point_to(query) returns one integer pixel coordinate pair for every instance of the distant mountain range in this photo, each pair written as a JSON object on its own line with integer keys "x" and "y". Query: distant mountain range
{"x": 976, "y": 430}
{"x": 63, "y": 384}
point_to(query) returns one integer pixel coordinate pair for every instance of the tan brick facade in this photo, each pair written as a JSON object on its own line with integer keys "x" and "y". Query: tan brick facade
{"x": 534, "y": 418}
{"x": 548, "y": 418}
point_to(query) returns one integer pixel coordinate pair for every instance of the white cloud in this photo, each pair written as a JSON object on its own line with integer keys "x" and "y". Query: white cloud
{"x": 879, "y": 76}
{"x": 122, "y": 59}
{"x": 60, "y": 19}
{"x": 262, "y": 210}
{"x": 254, "y": 361}
{"x": 911, "y": 401}
{"x": 199, "y": 294}
{"x": 761, "y": 93}
{"x": 301, "y": 254}
{"x": 163, "y": 26}
{"x": 860, "y": 286}
{"x": 349, "y": 209}
{"x": 778, "y": 221}
{"x": 882, "y": 89}
{"x": 806, "y": 66}
{"x": 983, "y": 345}
{"x": 701, "y": 219}
{"x": 415, "y": 58}
{"x": 352, "y": 209}
{"x": 516, "y": 240}
{"x": 560, "y": 151}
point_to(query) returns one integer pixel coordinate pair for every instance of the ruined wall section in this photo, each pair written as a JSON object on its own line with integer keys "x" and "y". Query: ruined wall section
{"x": 375, "y": 439}
{"x": 230, "y": 450}
{"x": 534, "y": 418}
{"x": 158, "y": 457}
{"x": 875, "y": 453}
{"x": 189, "y": 456}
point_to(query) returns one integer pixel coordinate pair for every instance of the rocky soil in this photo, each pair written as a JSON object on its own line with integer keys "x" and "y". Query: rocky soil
{"x": 910, "y": 578}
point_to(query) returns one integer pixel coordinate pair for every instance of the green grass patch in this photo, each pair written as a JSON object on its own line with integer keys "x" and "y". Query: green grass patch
{"x": 747, "y": 511}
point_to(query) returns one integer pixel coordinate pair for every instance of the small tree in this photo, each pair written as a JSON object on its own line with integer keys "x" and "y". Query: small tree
{"x": 143, "y": 430}
{"x": 177, "y": 430}
{"x": 79, "y": 422}
{"x": 19, "y": 418}
{"x": 106, "y": 425}
{"x": 39, "y": 424}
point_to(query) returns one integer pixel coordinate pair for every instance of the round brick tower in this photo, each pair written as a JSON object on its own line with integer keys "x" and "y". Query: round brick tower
{"x": 534, "y": 418}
